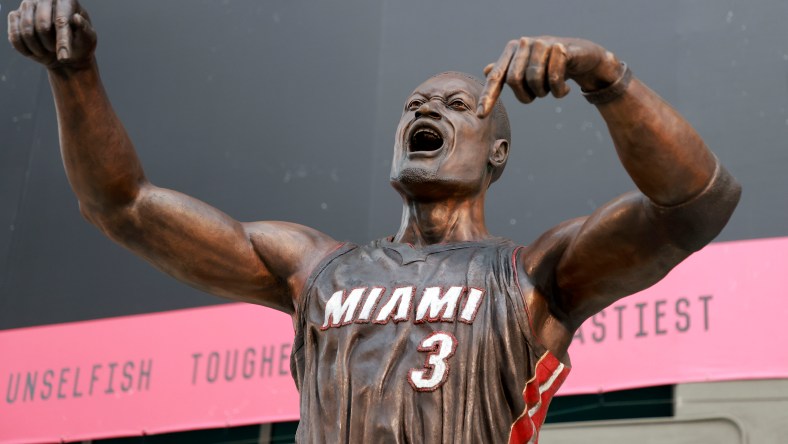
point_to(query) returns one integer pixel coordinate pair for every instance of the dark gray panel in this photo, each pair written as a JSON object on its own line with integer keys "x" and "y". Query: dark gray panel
{"x": 21, "y": 84}
{"x": 260, "y": 108}
{"x": 733, "y": 87}
{"x": 722, "y": 64}
{"x": 287, "y": 110}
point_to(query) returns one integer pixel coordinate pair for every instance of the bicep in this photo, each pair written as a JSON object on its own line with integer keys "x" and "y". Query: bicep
{"x": 622, "y": 248}
{"x": 631, "y": 243}
{"x": 205, "y": 248}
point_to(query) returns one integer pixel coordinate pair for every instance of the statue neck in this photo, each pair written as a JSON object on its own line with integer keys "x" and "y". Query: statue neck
{"x": 451, "y": 220}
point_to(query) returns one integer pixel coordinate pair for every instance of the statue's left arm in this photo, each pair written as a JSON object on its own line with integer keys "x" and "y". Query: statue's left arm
{"x": 684, "y": 199}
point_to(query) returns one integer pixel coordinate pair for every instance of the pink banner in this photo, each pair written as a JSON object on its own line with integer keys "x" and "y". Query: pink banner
{"x": 716, "y": 317}
{"x": 188, "y": 369}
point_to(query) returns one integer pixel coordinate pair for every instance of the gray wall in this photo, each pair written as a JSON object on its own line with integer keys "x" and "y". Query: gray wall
{"x": 286, "y": 110}
{"x": 731, "y": 412}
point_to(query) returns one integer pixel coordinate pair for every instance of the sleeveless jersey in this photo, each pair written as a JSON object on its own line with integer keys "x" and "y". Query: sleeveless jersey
{"x": 401, "y": 345}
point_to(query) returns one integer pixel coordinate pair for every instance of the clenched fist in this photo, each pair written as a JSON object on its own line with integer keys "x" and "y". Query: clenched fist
{"x": 55, "y": 33}
{"x": 536, "y": 66}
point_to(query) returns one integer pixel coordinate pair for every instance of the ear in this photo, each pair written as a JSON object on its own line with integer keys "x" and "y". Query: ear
{"x": 499, "y": 152}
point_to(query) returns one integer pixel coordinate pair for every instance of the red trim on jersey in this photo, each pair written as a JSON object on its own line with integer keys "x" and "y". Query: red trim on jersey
{"x": 549, "y": 374}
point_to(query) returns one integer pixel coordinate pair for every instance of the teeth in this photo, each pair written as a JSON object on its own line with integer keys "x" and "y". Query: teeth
{"x": 428, "y": 131}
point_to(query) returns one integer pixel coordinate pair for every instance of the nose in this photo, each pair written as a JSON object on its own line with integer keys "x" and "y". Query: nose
{"x": 426, "y": 110}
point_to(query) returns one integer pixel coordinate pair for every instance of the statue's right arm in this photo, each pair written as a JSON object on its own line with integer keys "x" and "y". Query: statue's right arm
{"x": 264, "y": 262}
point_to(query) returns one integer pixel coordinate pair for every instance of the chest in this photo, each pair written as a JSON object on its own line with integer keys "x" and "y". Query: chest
{"x": 382, "y": 287}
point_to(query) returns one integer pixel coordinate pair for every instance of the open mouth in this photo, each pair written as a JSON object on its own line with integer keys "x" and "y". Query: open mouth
{"x": 424, "y": 140}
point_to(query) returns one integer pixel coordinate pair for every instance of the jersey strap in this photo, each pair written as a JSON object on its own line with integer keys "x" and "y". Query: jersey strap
{"x": 549, "y": 374}
{"x": 299, "y": 317}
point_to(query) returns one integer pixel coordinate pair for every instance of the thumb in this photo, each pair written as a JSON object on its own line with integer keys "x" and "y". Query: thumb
{"x": 82, "y": 24}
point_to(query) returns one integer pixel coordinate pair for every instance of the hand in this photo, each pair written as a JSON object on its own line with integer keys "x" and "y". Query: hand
{"x": 55, "y": 33}
{"x": 536, "y": 66}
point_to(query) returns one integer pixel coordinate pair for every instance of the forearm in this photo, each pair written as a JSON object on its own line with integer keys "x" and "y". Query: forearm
{"x": 664, "y": 155}
{"x": 98, "y": 155}
{"x": 692, "y": 196}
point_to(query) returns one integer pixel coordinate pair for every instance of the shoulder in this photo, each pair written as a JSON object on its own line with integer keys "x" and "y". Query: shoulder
{"x": 536, "y": 266}
{"x": 291, "y": 251}
{"x": 539, "y": 261}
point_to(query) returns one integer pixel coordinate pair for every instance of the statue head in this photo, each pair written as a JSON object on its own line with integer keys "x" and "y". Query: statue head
{"x": 442, "y": 149}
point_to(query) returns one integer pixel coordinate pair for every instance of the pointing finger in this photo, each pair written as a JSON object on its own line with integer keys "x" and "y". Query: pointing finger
{"x": 64, "y": 9}
{"x": 495, "y": 79}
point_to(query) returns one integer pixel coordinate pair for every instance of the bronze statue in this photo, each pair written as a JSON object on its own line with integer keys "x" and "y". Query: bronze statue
{"x": 442, "y": 332}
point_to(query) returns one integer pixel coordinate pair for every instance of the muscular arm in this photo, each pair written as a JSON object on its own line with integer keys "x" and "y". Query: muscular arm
{"x": 263, "y": 262}
{"x": 684, "y": 196}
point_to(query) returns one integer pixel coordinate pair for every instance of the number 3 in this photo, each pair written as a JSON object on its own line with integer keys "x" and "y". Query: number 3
{"x": 441, "y": 346}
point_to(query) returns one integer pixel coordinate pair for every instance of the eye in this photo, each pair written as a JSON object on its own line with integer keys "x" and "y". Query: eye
{"x": 414, "y": 104}
{"x": 458, "y": 105}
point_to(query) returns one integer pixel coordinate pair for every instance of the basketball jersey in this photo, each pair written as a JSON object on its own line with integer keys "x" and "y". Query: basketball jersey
{"x": 434, "y": 345}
